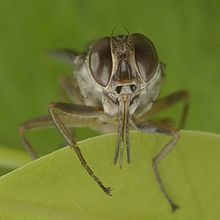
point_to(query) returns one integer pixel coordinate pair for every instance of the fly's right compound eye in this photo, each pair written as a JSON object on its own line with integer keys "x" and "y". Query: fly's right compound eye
{"x": 100, "y": 61}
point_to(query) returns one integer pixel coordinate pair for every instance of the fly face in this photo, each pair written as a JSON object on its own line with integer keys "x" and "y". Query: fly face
{"x": 127, "y": 69}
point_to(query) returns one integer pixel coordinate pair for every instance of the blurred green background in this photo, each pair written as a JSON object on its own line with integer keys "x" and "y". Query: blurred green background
{"x": 186, "y": 34}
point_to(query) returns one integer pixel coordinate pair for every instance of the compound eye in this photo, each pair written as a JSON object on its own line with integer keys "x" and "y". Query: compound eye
{"x": 100, "y": 61}
{"x": 145, "y": 56}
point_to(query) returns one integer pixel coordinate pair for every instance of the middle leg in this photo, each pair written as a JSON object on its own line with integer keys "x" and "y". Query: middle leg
{"x": 167, "y": 102}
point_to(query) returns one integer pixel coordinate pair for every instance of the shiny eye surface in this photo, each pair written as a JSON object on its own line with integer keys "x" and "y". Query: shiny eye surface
{"x": 100, "y": 61}
{"x": 145, "y": 56}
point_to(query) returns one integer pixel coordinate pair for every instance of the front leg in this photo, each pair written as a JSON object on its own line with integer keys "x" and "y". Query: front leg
{"x": 62, "y": 112}
{"x": 152, "y": 128}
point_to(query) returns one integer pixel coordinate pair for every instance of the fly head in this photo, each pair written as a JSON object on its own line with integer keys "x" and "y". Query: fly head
{"x": 126, "y": 67}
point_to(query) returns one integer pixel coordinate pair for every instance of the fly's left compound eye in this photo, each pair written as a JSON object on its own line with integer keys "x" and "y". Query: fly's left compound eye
{"x": 100, "y": 61}
{"x": 145, "y": 56}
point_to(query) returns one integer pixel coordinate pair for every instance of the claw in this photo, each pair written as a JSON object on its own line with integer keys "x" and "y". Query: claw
{"x": 174, "y": 207}
{"x": 108, "y": 190}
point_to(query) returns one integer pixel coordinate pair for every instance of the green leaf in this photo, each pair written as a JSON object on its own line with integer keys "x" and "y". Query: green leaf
{"x": 57, "y": 187}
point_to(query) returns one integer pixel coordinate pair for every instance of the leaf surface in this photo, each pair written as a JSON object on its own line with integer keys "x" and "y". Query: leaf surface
{"x": 57, "y": 187}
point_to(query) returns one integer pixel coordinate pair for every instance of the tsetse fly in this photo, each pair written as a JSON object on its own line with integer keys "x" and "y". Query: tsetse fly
{"x": 115, "y": 85}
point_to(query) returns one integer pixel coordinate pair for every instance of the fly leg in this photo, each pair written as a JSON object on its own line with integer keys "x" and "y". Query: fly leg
{"x": 167, "y": 102}
{"x": 63, "y": 113}
{"x": 46, "y": 121}
{"x": 69, "y": 90}
{"x": 36, "y": 123}
{"x": 151, "y": 128}
{"x": 68, "y": 85}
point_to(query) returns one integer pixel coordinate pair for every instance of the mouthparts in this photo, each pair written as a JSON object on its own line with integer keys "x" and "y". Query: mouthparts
{"x": 123, "y": 130}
